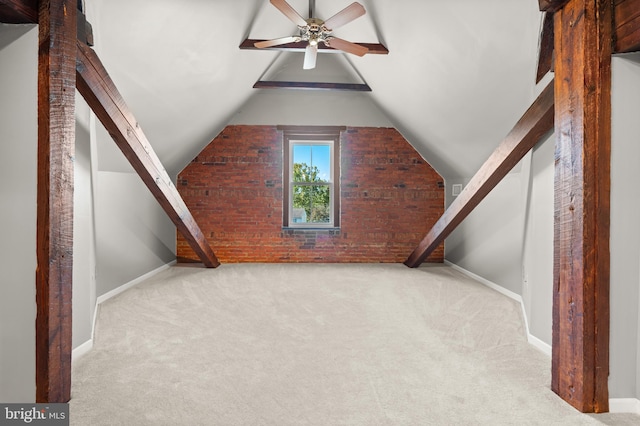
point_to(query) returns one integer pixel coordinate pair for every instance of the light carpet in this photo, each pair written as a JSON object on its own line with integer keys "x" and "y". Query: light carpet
{"x": 302, "y": 344}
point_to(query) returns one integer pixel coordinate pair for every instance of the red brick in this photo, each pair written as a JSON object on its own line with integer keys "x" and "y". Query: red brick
{"x": 390, "y": 198}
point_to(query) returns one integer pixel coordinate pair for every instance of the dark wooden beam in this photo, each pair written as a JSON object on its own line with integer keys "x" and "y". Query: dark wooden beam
{"x": 54, "y": 246}
{"x": 19, "y": 11}
{"x": 311, "y": 86}
{"x": 101, "y": 94}
{"x": 545, "y": 49}
{"x": 26, "y": 12}
{"x": 627, "y": 26}
{"x": 536, "y": 122}
{"x": 551, "y": 5}
{"x": 85, "y": 30}
{"x": 626, "y": 34}
{"x": 374, "y": 48}
{"x": 580, "y": 349}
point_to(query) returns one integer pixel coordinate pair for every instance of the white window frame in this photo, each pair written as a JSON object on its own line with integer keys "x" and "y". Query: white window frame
{"x": 309, "y": 135}
{"x": 329, "y": 183}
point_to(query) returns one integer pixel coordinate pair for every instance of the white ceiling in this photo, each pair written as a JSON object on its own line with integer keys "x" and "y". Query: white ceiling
{"x": 459, "y": 73}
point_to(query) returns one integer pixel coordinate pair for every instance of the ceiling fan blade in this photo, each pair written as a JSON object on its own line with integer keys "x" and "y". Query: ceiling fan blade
{"x": 310, "y": 55}
{"x": 276, "y": 42}
{"x": 347, "y": 46}
{"x": 289, "y": 12}
{"x": 346, "y": 15}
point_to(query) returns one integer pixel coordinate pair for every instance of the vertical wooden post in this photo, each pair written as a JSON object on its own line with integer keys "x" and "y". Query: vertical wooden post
{"x": 580, "y": 354}
{"x": 56, "y": 139}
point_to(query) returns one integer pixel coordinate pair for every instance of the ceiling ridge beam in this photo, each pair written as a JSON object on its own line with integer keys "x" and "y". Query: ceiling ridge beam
{"x": 101, "y": 94}
{"x": 310, "y": 85}
{"x": 536, "y": 122}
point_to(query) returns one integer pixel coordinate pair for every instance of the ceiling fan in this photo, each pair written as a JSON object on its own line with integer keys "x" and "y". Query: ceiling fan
{"x": 314, "y": 31}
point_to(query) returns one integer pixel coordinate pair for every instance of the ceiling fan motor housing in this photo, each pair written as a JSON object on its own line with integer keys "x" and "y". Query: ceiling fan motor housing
{"x": 314, "y": 32}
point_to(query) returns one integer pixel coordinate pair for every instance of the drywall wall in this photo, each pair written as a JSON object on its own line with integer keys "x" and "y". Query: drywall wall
{"x": 537, "y": 274}
{"x": 133, "y": 234}
{"x": 18, "y": 150}
{"x": 289, "y": 107}
{"x": 309, "y": 107}
{"x": 489, "y": 241}
{"x": 84, "y": 264}
{"x": 625, "y": 227}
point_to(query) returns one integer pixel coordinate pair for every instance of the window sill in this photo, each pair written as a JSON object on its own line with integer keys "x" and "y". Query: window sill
{"x": 302, "y": 229}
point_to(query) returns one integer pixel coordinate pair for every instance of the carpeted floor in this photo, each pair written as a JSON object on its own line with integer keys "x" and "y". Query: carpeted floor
{"x": 301, "y": 344}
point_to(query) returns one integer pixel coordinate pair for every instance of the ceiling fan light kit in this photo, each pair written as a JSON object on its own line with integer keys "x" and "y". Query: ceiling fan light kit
{"x": 315, "y": 31}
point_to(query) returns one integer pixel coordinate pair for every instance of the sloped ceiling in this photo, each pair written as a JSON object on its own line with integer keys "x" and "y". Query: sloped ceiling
{"x": 458, "y": 76}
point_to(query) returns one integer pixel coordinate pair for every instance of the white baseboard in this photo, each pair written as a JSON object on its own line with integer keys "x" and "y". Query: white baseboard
{"x": 616, "y": 405}
{"x": 133, "y": 283}
{"x": 81, "y": 350}
{"x": 88, "y": 345}
{"x": 486, "y": 282}
{"x": 541, "y": 345}
{"x": 533, "y": 340}
{"x": 624, "y": 405}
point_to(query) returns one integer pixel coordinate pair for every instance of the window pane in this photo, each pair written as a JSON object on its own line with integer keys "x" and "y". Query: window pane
{"x": 311, "y": 204}
{"x": 320, "y": 157}
{"x": 311, "y": 163}
{"x": 302, "y": 154}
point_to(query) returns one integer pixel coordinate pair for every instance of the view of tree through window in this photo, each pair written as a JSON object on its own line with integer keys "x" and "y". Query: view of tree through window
{"x": 311, "y": 183}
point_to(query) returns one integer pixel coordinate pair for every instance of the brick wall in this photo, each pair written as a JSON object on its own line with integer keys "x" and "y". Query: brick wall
{"x": 390, "y": 198}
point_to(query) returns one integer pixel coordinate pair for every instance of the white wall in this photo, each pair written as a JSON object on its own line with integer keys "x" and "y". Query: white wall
{"x": 289, "y": 107}
{"x": 489, "y": 241}
{"x": 134, "y": 235}
{"x": 84, "y": 262}
{"x": 625, "y": 227}
{"x": 311, "y": 107}
{"x": 537, "y": 285}
{"x": 18, "y": 150}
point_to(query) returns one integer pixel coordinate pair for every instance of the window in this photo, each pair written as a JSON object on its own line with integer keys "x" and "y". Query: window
{"x": 311, "y": 183}
{"x": 311, "y": 176}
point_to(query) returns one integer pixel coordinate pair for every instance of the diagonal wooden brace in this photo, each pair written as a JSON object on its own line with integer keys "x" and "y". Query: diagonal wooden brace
{"x": 97, "y": 88}
{"x": 534, "y": 124}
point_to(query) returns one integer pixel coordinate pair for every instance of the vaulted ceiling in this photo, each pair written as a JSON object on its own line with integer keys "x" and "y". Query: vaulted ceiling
{"x": 458, "y": 76}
